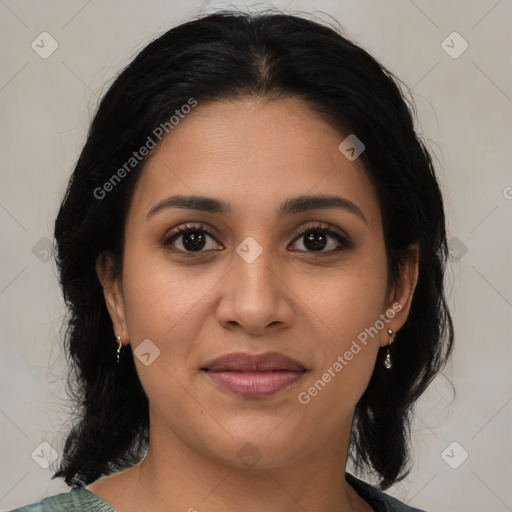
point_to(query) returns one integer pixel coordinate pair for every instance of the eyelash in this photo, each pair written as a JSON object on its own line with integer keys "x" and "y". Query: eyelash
{"x": 343, "y": 242}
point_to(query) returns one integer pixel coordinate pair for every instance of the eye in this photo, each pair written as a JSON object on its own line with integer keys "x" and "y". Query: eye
{"x": 194, "y": 238}
{"x": 190, "y": 239}
{"x": 317, "y": 237}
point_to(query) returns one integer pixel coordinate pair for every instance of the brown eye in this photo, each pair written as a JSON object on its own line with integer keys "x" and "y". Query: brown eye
{"x": 315, "y": 240}
{"x": 191, "y": 239}
{"x": 318, "y": 238}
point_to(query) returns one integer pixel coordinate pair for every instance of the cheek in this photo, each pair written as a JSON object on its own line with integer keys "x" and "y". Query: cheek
{"x": 350, "y": 299}
{"x": 350, "y": 306}
{"x": 163, "y": 301}
{"x": 352, "y": 314}
{"x": 356, "y": 303}
{"x": 160, "y": 294}
{"x": 347, "y": 353}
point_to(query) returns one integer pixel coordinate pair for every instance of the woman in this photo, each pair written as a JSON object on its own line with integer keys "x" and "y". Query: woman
{"x": 252, "y": 249}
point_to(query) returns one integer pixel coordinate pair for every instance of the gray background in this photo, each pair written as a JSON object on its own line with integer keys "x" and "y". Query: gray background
{"x": 465, "y": 110}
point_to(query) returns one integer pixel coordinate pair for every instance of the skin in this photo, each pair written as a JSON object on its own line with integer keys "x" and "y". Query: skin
{"x": 254, "y": 154}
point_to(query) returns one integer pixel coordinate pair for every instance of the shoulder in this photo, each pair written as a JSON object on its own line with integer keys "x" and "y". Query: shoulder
{"x": 378, "y": 500}
{"x": 77, "y": 499}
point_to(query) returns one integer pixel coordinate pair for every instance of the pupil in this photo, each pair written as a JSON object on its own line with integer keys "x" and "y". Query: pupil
{"x": 315, "y": 240}
{"x": 194, "y": 240}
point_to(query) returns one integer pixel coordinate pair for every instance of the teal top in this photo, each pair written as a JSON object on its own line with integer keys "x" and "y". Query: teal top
{"x": 80, "y": 499}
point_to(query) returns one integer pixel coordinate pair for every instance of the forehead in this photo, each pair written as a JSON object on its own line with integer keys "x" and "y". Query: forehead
{"x": 254, "y": 152}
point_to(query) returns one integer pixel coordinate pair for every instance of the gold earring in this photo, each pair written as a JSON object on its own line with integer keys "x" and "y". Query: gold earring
{"x": 119, "y": 347}
{"x": 387, "y": 360}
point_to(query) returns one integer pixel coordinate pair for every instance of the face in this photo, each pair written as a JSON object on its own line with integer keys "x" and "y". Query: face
{"x": 261, "y": 269}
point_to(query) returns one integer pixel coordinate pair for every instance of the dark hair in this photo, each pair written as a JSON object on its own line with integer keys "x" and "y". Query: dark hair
{"x": 231, "y": 55}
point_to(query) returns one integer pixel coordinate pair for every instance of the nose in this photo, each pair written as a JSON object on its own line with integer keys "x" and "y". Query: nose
{"x": 255, "y": 297}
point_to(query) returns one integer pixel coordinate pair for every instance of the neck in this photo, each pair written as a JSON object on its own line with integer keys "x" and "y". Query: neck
{"x": 177, "y": 477}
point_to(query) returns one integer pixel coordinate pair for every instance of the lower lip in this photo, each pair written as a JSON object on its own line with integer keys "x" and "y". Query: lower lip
{"x": 255, "y": 384}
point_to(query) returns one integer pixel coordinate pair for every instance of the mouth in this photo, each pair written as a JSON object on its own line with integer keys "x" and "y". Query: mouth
{"x": 254, "y": 375}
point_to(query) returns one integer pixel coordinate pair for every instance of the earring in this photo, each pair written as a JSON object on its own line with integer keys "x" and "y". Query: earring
{"x": 387, "y": 360}
{"x": 119, "y": 347}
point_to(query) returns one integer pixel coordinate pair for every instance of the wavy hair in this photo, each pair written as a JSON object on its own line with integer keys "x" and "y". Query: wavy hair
{"x": 229, "y": 55}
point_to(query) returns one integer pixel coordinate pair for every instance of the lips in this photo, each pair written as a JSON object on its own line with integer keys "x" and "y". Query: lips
{"x": 244, "y": 362}
{"x": 254, "y": 375}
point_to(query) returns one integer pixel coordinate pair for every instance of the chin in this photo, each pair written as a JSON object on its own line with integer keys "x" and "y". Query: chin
{"x": 261, "y": 446}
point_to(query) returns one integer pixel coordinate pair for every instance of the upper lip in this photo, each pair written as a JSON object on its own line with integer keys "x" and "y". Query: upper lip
{"x": 245, "y": 362}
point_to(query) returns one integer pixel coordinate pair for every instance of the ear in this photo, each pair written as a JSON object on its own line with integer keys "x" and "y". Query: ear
{"x": 400, "y": 294}
{"x": 113, "y": 293}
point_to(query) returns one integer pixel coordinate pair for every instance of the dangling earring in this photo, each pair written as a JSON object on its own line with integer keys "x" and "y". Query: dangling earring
{"x": 387, "y": 360}
{"x": 119, "y": 347}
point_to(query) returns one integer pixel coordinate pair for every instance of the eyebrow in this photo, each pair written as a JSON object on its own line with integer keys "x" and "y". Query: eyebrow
{"x": 292, "y": 205}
